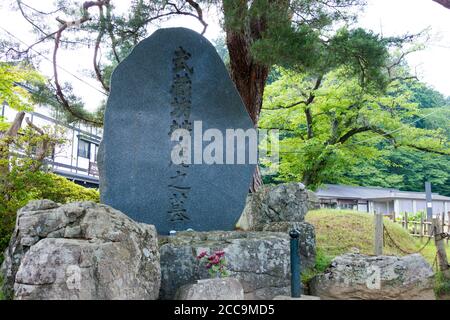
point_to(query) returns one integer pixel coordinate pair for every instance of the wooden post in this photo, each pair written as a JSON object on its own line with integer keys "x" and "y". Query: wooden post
{"x": 403, "y": 221}
{"x": 443, "y": 221}
{"x": 440, "y": 246}
{"x": 378, "y": 239}
{"x": 421, "y": 231}
{"x": 448, "y": 224}
{"x": 406, "y": 221}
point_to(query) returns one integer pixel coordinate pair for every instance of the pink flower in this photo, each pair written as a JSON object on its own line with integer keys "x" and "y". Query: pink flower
{"x": 220, "y": 253}
{"x": 201, "y": 255}
{"x": 216, "y": 260}
{"x": 208, "y": 266}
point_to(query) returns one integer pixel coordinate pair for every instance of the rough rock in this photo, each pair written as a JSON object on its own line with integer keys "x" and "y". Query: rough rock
{"x": 212, "y": 289}
{"x": 306, "y": 240}
{"x": 259, "y": 260}
{"x": 80, "y": 250}
{"x": 313, "y": 200}
{"x": 355, "y": 276}
{"x": 280, "y": 203}
{"x": 301, "y": 298}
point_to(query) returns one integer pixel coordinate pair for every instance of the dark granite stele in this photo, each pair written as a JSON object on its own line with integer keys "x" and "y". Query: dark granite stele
{"x": 170, "y": 80}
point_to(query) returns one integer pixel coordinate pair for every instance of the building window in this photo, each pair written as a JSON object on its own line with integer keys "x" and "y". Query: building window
{"x": 84, "y": 149}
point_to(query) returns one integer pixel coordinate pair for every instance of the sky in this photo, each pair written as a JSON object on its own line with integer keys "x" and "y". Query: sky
{"x": 388, "y": 17}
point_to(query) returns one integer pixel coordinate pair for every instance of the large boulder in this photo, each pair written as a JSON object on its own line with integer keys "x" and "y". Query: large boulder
{"x": 80, "y": 250}
{"x": 355, "y": 276}
{"x": 259, "y": 260}
{"x": 212, "y": 289}
{"x": 281, "y": 203}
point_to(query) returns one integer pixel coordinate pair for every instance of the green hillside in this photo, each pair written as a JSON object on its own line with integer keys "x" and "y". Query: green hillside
{"x": 343, "y": 231}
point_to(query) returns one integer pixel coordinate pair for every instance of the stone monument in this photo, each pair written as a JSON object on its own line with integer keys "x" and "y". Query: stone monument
{"x": 174, "y": 83}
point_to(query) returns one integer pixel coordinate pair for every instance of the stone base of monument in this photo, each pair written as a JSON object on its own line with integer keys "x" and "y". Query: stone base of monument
{"x": 303, "y": 297}
{"x": 260, "y": 260}
{"x": 212, "y": 289}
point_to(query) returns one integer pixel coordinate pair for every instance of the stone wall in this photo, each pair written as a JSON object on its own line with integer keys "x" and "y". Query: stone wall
{"x": 260, "y": 260}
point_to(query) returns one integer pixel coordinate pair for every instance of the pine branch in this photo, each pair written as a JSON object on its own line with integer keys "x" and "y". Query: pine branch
{"x": 445, "y": 3}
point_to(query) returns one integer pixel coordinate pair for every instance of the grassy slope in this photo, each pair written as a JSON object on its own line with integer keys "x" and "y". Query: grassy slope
{"x": 2, "y": 296}
{"x": 341, "y": 231}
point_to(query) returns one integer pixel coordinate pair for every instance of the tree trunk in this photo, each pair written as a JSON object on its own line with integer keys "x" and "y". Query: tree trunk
{"x": 6, "y": 139}
{"x": 248, "y": 75}
{"x": 250, "y": 79}
{"x": 445, "y": 3}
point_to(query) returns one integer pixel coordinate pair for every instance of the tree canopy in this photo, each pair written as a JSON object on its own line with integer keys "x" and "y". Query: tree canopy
{"x": 12, "y": 79}
{"x": 297, "y": 34}
{"x": 341, "y": 95}
{"x": 331, "y": 125}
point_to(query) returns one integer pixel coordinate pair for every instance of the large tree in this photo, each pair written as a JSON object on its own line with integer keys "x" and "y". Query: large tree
{"x": 331, "y": 124}
{"x": 297, "y": 34}
{"x": 407, "y": 168}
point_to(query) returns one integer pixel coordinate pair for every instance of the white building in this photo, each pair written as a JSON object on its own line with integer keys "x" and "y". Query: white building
{"x": 76, "y": 159}
{"x": 382, "y": 200}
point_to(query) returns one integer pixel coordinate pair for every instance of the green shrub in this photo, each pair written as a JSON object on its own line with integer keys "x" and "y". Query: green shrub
{"x": 441, "y": 285}
{"x": 22, "y": 186}
{"x": 2, "y": 296}
{"x": 5, "y": 294}
{"x": 323, "y": 261}
{"x": 62, "y": 190}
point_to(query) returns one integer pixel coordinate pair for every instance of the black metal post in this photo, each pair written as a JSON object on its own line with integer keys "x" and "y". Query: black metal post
{"x": 296, "y": 284}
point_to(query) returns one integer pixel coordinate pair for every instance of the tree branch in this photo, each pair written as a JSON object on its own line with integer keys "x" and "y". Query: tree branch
{"x": 189, "y": 8}
{"x": 64, "y": 25}
{"x": 355, "y": 131}
{"x": 199, "y": 16}
{"x": 445, "y": 3}
{"x": 425, "y": 149}
{"x": 308, "y": 114}
{"x": 19, "y": 4}
{"x": 6, "y": 140}
{"x": 59, "y": 92}
{"x": 306, "y": 102}
{"x": 111, "y": 32}
{"x": 96, "y": 49}
{"x": 16, "y": 124}
{"x": 41, "y": 151}
{"x": 286, "y": 107}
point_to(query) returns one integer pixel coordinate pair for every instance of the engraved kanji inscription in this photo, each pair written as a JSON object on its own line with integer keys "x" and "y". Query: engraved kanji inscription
{"x": 181, "y": 95}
